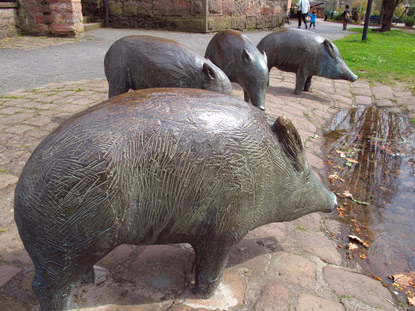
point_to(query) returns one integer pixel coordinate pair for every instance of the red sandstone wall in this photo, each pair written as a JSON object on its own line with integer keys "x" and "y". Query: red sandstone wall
{"x": 64, "y": 17}
{"x": 189, "y": 15}
{"x": 171, "y": 14}
{"x": 51, "y": 17}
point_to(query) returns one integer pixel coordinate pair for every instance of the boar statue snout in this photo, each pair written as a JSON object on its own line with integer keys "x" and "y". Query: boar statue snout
{"x": 333, "y": 202}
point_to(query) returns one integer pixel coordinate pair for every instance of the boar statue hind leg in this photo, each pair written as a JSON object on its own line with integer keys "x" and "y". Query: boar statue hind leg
{"x": 54, "y": 282}
{"x": 303, "y": 81}
{"x": 211, "y": 261}
{"x": 307, "y": 84}
{"x": 54, "y": 293}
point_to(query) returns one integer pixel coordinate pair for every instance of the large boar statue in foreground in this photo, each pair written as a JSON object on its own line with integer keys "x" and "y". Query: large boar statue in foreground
{"x": 158, "y": 166}
{"x": 306, "y": 54}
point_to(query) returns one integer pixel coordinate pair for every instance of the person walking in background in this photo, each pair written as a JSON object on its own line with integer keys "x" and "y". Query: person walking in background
{"x": 303, "y": 6}
{"x": 346, "y": 16}
{"x": 313, "y": 17}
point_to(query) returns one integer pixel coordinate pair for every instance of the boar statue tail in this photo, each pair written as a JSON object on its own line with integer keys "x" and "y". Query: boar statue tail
{"x": 290, "y": 141}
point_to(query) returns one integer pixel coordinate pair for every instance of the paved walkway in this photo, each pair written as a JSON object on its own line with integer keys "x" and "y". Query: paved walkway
{"x": 282, "y": 266}
{"x": 43, "y": 60}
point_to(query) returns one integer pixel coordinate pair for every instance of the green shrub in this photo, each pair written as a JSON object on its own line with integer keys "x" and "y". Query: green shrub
{"x": 293, "y": 12}
{"x": 409, "y": 21}
{"x": 338, "y": 17}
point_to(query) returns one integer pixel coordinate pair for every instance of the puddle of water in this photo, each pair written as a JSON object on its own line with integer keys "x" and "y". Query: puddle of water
{"x": 372, "y": 170}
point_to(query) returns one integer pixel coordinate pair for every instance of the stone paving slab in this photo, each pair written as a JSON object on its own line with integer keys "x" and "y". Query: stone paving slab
{"x": 281, "y": 266}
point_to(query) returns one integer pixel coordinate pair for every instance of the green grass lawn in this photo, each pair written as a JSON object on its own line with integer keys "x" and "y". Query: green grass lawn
{"x": 383, "y": 57}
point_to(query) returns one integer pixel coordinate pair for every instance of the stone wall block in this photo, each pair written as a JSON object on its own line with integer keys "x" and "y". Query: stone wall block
{"x": 238, "y": 22}
{"x": 228, "y": 7}
{"x": 266, "y": 11}
{"x": 48, "y": 19}
{"x": 62, "y": 28}
{"x": 172, "y": 8}
{"x": 9, "y": 23}
{"x": 62, "y": 8}
{"x": 133, "y": 8}
{"x": 223, "y": 23}
{"x": 266, "y": 22}
{"x": 34, "y": 8}
{"x": 215, "y": 6}
{"x": 196, "y": 7}
{"x": 39, "y": 19}
{"x": 250, "y": 22}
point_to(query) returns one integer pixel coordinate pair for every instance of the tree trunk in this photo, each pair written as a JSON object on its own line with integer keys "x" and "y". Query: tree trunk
{"x": 386, "y": 14}
{"x": 388, "y": 7}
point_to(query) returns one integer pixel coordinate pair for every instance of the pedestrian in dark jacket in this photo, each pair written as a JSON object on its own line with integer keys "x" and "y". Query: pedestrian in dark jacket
{"x": 346, "y": 17}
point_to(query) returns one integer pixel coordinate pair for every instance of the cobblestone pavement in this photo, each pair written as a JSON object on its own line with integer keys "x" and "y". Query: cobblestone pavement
{"x": 282, "y": 266}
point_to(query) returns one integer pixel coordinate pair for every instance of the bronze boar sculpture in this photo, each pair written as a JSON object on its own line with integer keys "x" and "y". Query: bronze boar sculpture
{"x": 306, "y": 54}
{"x": 158, "y": 166}
{"x": 240, "y": 60}
{"x": 140, "y": 62}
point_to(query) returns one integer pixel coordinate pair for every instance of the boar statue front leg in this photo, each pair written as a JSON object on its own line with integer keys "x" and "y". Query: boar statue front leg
{"x": 246, "y": 97}
{"x": 89, "y": 276}
{"x": 300, "y": 82}
{"x": 211, "y": 261}
{"x": 307, "y": 84}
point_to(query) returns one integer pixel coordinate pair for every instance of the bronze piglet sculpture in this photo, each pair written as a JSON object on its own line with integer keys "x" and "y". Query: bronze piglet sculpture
{"x": 141, "y": 62}
{"x": 158, "y": 166}
{"x": 306, "y": 54}
{"x": 240, "y": 60}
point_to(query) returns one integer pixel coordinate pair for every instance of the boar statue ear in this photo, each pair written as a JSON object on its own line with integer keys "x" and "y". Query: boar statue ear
{"x": 290, "y": 142}
{"x": 329, "y": 48}
{"x": 209, "y": 71}
{"x": 246, "y": 56}
{"x": 265, "y": 56}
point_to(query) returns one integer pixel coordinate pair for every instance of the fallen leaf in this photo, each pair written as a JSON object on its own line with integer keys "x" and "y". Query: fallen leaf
{"x": 411, "y": 301}
{"x": 352, "y": 160}
{"x": 362, "y": 256}
{"x": 405, "y": 283}
{"x": 335, "y": 177}
{"x": 359, "y": 240}
{"x": 352, "y": 246}
{"x": 347, "y": 194}
{"x": 342, "y": 154}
